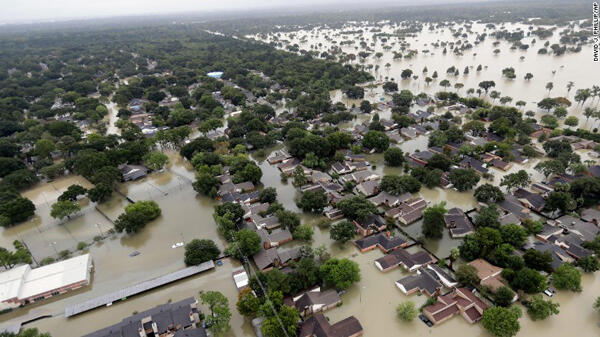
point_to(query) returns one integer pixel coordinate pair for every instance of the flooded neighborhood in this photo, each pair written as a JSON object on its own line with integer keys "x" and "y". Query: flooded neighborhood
{"x": 377, "y": 170}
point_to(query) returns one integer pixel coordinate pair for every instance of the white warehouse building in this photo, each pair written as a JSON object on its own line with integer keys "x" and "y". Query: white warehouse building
{"x": 22, "y": 284}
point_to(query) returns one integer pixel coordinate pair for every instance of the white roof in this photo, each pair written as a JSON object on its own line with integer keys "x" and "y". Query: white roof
{"x": 241, "y": 279}
{"x": 11, "y": 281}
{"x": 25, "y": 282}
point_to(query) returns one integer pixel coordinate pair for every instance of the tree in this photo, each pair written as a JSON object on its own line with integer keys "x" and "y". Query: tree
{"x": 589, "y": 264}
{"x": 514, "y": 180}
{"x": 549, "y": 86}
{"x": 339, "y": 273}
{"x": 313, "y": 201}
{"x": 342, "y": 232}
{"x": 289, "y": 220}
{"x": 64, "y": 209}
{"x": 8, "y": 165}
{"x": 559, "y": 200}
{"x": 406, "y": 311}
{"x": 528, "y": 76}
{"x": 100, "y": 193}
{"x": 463, "y": 179}
{"x": 547, "y": 103}
{"x": 356, "y": 207}
{"x": 572, "y": 121}
{"x": 26, "y": 333}
{"x": 355, "y": 92}
{"x": 199, "y": 251}
{"x": 44, "y": 147}
{"x": 406, "y": 73}
{"x": 503, "y": 296}
{"x": 300, "y": 178}
{"x": 286, "y": 316}
{"x": 365, "y": 107}
{"x": 539, "y": 309}
{"x": 433, "y": 220}
{"x": 445, "y": 83}
{"x": 156, "y": 160}
{"x": 467, "y": 275}
{"x": 526, "y": 279}
{"x": 9, "y": 259}
{"x": 486, "y": 85}
{"x": 219, "y": 318}
{"x": 502, "y": 322}
{"x": 538, "y": 260}
{"x": 488, "y": 193}
{"x": 397, "y": 185}
{"x": 393, "y": 156}
{"x": 377, "y": 140}
{"x": 303, "y": 232}
{"x": 136, "y": 216}
{"x": 513, "y": 234}
{"x": 72, "y": 193}
{"x": 439, "y": 161}
{"x": 597, "y": 304}
{"x": 14, "y": 209}
{"x": 390, "y": 86}
{"x": 268, "y": 195}
{"x": 206, "y": 184}
{"x": 246, "y": 243}
{"x": 550, "y": 167}
{"x": 567, "y": 277}
{"x": 248, "y": 304}
{"x": 549, "y": 121}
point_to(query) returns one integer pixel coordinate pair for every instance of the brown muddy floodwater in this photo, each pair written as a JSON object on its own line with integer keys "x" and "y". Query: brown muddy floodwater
{"x": 186, "y": 216}
{"x": 560, "y": 70}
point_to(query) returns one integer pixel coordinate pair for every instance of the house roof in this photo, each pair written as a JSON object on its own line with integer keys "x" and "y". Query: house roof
{"x": 318, "y": 326}
{"x": 425, "y": 281}
{"x": 316, "y": 297}
{"x": 382, "y": 240}
{"x": 372, "y": 220}
{"x": 457, "y": 221}
{"x": 403, "y": 257}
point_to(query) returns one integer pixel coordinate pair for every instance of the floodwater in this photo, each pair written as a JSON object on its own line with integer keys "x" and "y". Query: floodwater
{"x": 186, "y": 216}
{"x": 559, "y": 70}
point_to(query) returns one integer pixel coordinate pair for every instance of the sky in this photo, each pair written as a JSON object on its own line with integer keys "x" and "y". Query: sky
{"x": 21, "y": 11}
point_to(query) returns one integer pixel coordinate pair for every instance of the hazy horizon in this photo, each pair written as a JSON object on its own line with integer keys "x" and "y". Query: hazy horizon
{"x": 29, "y": 11}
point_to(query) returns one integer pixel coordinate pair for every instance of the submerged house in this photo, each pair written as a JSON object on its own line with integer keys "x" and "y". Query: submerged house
{"x": 401, "y": 257}
{"x": 384, "y": 241}
{"x": 179, "y": 319}
{"x": 428, "y": 281}
{"x": 133, "y": 172}
{"x": 461, "y": 301}
{"x": 458, "y": 223}
{"x": 371, "y": 224}
{"x": 315, "y": 300}
{"x": 318, "y": 326}
{"x": 489, "y": 275}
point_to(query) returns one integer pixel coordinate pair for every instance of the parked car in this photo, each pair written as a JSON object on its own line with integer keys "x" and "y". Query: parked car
{"x": 425, "y": 320}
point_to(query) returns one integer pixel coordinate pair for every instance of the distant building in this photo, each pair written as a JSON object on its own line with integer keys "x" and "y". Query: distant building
{"x": 133, "y": 172}
{"x": 22, "y": 285}
{"x": 215, "y": 74}
{"x": 179, "y": 319}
